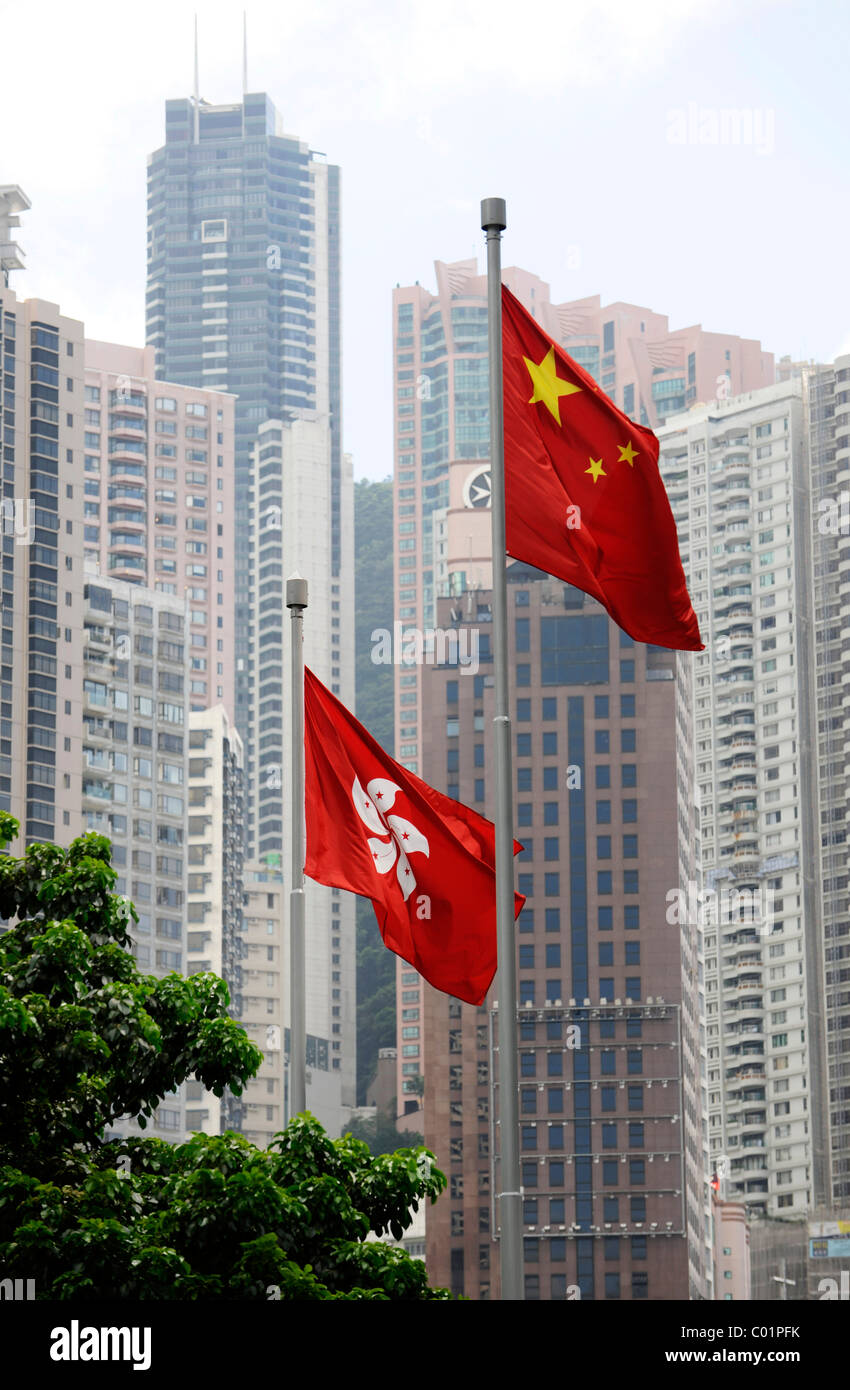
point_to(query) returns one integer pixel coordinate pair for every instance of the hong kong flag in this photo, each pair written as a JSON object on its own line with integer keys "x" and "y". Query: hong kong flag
{"x": 426, "y": 862}
{"x": 584, "y": 499}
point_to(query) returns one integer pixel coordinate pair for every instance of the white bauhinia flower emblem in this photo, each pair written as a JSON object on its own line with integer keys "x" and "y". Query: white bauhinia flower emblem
{"x": 371, "y": 806}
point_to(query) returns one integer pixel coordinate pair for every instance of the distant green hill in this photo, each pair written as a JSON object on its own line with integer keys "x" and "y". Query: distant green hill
{"x": 373, "y": 608}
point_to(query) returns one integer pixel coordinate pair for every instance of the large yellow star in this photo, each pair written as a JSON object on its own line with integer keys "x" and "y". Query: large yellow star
{"x": 627, "y": 454}
{"x": 596, "y": 470}
{"x": 548, "y": 386}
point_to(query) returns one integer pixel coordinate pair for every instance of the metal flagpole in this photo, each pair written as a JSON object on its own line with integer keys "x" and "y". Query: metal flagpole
{"x": 296, "y": 602}
{"x": 493, "y": 221}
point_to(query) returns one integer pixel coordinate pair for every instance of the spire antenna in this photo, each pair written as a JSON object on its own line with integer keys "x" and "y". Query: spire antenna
{"x": 244, "y": 53}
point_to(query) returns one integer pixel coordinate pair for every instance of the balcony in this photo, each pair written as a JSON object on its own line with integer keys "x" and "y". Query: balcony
{"x": 129, "y": 402}
{"x": 745, "y": 1077}
{"x": 740, "y": 762}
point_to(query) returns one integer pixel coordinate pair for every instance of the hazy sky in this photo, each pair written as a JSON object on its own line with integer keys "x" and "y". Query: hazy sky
{"x": 600, "y": 121}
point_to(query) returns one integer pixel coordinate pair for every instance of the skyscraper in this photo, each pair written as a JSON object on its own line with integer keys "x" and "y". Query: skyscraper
{"x": 243, "y": 295}
{"x": 215, "y": 847}
{"x": 442, "y": 442}
{"x": 737, "y": 475}
{"x": 41, "y": 660}
{"x": 134, "y": 760}
{"x": 827, "y": 398}
{"x": 607, "y": 1028}
{"x": 291, "y": 498}
{"x": 158, "y": 500}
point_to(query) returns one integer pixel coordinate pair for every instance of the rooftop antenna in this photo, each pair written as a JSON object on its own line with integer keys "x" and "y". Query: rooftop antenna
{"x": 244, "y": 53}
{"x": 197, "y": 93}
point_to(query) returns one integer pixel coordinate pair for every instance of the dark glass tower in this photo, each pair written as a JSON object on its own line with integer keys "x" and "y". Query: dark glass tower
{"x": 243, "y": 294}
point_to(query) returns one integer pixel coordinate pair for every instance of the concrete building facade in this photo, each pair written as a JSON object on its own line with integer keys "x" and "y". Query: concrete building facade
{"x": 41, "y": 601}
{"x": 441, "y": 438}
{"x": 244, "y": 296}
{"x": 608, "y": 1034}
{"x": 827, "y": 400}
{"x": 736, "y": 473}
{"x": 214, "y": 884}
{"x": 291, "y": 498}
{"x": 732, "y": 1281}
{"x": 158, "y": 501}
{"x": 134, "y": 767}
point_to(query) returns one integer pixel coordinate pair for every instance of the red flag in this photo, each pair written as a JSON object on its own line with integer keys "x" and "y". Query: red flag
{"x": 584, "y": 498}
{"x": 427, "y": 862}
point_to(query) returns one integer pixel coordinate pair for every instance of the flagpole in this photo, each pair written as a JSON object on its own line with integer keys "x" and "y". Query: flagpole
{"x": 493, "y": 222}
{"x": 296, "y": 602}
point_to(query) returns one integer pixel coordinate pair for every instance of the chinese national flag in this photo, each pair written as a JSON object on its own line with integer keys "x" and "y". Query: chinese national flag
{"x": 584, "y": 498}
{"x": 427, "y": 862}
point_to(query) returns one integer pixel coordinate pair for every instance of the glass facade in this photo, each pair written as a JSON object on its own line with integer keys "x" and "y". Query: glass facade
{"x": 244, "y": 293}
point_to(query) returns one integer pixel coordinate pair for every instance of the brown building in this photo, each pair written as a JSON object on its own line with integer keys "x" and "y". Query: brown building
{"x": 612, "y": 1177}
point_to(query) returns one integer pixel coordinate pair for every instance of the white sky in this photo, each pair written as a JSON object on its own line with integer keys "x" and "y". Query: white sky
{"x": 566, "y": 108}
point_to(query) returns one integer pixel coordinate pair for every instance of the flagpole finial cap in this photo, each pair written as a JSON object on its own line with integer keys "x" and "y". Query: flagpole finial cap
{"x": 296, "y": 591}
{"x": 493, "y": 214}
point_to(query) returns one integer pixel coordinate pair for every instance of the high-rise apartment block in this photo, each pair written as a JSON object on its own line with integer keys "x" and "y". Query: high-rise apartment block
{"x": 441, "y": 412}
{"x": 291, "y": 499}
{"x": 244, "y": 296}
{"x": 613, "y": 1177}
{"x": 134, "y": 766}
{"x": 827, "y": 397}
{"x": 214, "y": 886}
{"x": 159, "y": 500}
{"x": 41, "y": 601}
{"x": 442, "y": 477}
{"x": 737, "y": 476}
{"x": 13, "y": 201}
{"x": 266, "y": 1104}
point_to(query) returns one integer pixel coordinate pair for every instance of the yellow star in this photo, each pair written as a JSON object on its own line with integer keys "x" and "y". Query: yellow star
{"x": 627, "y": 454}
{"x": 548, "y": 386}
{"x": 596, "y": 470}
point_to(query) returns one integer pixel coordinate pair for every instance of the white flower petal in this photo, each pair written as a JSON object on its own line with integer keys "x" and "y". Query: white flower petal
{"x": 382, "y": 793}
{"x": 383, "y": 854}
{"x": 404, "y": 874}
{"x": 409, "y": 838}
{"x": 365, "y": 809}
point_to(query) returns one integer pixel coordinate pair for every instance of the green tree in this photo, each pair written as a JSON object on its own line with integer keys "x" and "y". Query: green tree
{"x": 378, "y": 1132}
{"x": 86, "y": 1039}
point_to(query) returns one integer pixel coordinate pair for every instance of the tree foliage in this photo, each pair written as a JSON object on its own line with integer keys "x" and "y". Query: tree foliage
{"x": 379, "y": 1133}
{"x": 86, "y": 1039}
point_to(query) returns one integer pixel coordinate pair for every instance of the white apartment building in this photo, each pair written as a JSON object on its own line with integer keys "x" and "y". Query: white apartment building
{"x": 736, "y": 474}
{"x": 827, "y": 395}
{"x": 214, "y": 888}
{"x": 292, "y": 505}
{"x": 135, "y": 714}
